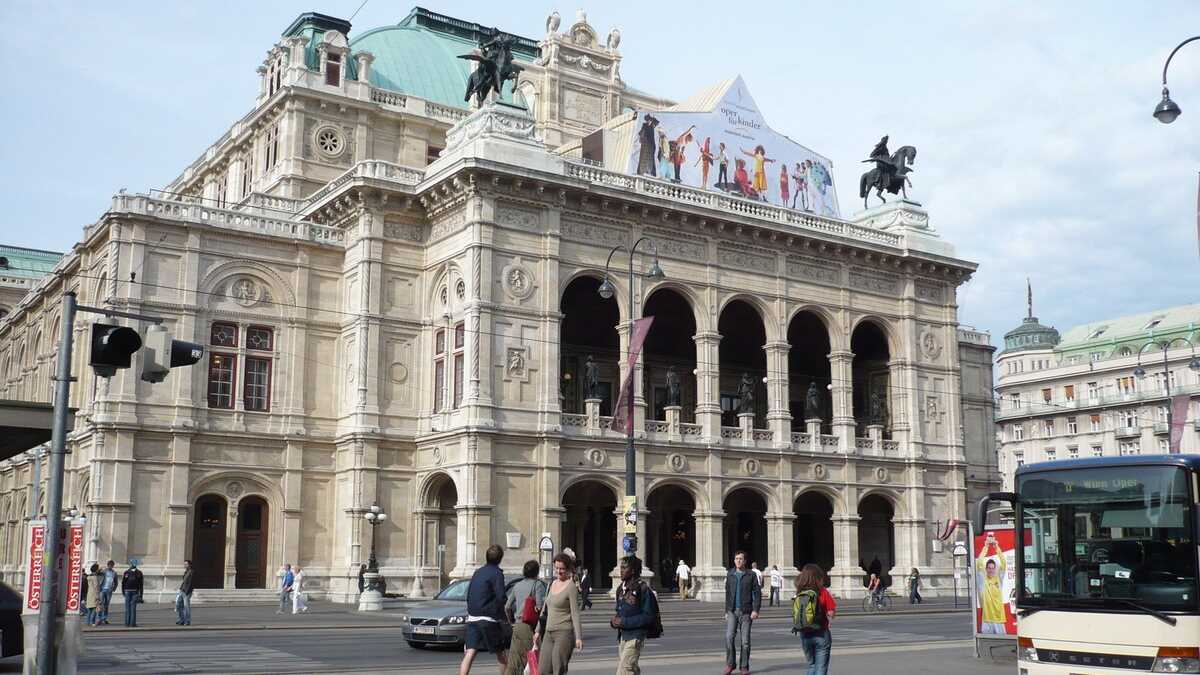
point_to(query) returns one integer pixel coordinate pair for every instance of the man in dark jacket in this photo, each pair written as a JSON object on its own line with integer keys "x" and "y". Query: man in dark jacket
{"x": 131, "y": 588}
{"x": 634, "y": 614}
{"x": 743, "y": 599}
{"x": 183, "y": 601}
{"x": 487, "y": 622}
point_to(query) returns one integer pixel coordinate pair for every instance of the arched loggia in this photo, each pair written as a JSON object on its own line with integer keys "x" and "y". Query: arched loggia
{"x": 743, "y": 362}
{"x": 809, "y": 371}
{"x": 668, "y": 345}
{"x": 871, "y": 377}
{"x": 589, "y": 328}
{"x": 590, "y": 529}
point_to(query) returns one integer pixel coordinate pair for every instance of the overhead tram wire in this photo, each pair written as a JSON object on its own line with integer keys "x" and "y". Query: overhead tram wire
{"x": 364, "y": 4}
{"x": 891, "y": 387}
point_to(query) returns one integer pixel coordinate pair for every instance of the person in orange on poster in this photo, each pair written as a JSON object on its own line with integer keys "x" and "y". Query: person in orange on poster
{"x": 742, "y": 179}
{"x": 760, "y": 168}
{"x": 704, "y": 161}
{"x": 991, "y": 599}
{"x": 784, "y": 183}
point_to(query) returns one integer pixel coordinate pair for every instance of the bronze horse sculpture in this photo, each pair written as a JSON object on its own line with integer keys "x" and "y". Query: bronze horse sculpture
{"x": 495, "y": 68}
{"x": 890, "y": 173}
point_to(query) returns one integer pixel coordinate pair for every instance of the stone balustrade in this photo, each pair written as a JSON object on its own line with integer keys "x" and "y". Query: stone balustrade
{"x": 225, "y": 218}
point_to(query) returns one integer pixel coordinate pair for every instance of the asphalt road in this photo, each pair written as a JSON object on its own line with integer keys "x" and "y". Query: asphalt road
{"x": 693, "y": 641}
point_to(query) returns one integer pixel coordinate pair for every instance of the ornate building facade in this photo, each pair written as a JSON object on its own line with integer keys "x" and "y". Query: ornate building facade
{"x": 399, "y": 299}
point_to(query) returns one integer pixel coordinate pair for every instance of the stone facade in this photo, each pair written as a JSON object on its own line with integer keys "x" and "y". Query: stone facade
{"x": 384, "y": 332}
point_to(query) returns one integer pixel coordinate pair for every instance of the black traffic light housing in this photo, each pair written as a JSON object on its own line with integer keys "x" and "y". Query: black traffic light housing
{"x": 162, "y": 353}
{"x": 112, "y": 348}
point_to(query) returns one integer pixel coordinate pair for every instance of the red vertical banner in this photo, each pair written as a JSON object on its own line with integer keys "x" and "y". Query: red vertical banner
{"x": 637, "y": 337}
{"x": 74, "y": 567}
{"x": 1179, "y": 411}
{"x": 35, "y": 567}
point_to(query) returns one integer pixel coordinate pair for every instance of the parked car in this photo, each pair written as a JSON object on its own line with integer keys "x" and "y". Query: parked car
{"x": 443, "y": 619}
{"x": 12, "y": 631}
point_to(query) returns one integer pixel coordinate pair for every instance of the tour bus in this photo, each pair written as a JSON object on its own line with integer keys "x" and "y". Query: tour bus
{"x": 1106, "y": 567}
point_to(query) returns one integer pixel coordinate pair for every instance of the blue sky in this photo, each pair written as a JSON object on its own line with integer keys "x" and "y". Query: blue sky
{"x": 1037, "y": 153}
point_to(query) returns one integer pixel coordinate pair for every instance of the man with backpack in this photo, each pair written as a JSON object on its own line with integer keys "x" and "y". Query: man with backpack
{"x": 812, "y": 610}
{"x": 525, "y": 601}
{"x": 743, "y": 599}
{"x": 637, "y": 617}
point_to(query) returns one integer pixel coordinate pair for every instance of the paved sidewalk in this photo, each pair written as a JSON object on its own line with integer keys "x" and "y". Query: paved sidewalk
{"x": 261, "y": 616}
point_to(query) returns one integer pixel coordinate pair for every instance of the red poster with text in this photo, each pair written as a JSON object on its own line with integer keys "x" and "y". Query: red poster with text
{"x": 995, "y": 573}
{"x": 37, "y": 554}
{"x": 74, "y": 567}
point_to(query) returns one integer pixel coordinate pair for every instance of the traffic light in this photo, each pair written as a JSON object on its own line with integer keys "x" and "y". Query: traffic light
{"x": 161, "y": 354}
{"x": 112, "y": 347}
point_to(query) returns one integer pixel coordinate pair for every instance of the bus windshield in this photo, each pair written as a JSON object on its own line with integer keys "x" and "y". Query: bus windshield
{"x": 1108, "y": 538}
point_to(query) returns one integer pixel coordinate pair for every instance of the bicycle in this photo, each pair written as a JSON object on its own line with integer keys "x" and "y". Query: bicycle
{"x": 877, "y": 602}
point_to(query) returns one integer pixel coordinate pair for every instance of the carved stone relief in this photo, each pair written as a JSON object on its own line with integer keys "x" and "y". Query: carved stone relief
{"x": 746, "y": 260}
{"x": 677, "y": 462}
{"x": 931, "y": 347}
{"x": 812, "y": 269}
{"x": 518, "y": 216}
{"x": 517, "y": 280}
{"x": 592, "y": 233}
{"x": 597, "y": 457}
{"x": 873, "y": 281}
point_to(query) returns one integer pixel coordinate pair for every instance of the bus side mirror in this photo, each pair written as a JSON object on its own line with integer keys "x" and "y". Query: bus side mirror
{"x": 985, "y": 504}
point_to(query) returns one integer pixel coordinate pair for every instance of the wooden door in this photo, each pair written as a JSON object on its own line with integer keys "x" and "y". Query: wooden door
{"x": 252, "y": 543}
{"x": 208, "y": 542}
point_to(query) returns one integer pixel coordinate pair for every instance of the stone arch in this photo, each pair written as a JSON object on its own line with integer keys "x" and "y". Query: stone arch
{"x": 670, "y": 529}
{"x": 447, "y": 279}
{"x": 837, "y": 340}
{"x": 283, "y": 298}
{"x": 744, "y": 525}
{"x": 763, "y": 490}
{"x": 437, "y": 524}
{"x": 704, "y": 321}
{"x": 247, "y": 484}
{"x": 835, "y": 498}
{"x": 100, "y": 288}
{"x": 877, "y": 514}
{"x": 588, "y": 327}
{"x": 529, "y": 93}
{"x": 621, "y": 285}
{"x": 813, "y": 532}
{"x": 613, "y": 483}
{"x": 765, "y": 313}
{"x": 893, "y": 497}
{"x": 431, "y": 485}
{"x": 884, "y": 326}
{"x": 692, "y": 487}
{"x": 589, "y": 525}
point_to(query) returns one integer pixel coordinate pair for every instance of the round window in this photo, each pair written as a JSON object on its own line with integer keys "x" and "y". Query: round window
{"x": 329, "y": 141}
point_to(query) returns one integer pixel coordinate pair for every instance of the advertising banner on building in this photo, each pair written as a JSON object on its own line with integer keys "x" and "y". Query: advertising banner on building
{"x": 724, "y": 144}
{"x": 994, "y": 596}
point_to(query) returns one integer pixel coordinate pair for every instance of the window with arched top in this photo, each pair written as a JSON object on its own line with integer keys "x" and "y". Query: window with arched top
{"x": 254, "y": 347}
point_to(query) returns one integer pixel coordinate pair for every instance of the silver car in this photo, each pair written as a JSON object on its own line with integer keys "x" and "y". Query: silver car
{"x": 442, "y": 620}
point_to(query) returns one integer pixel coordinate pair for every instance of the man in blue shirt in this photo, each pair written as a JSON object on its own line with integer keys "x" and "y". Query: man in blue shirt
{"x": 634, "y": 616}
{"x": 287, "y": 578}
{"x": 107, "y": 586}
{"x": 743, "y": 599}
{"x": 488, "y": 629}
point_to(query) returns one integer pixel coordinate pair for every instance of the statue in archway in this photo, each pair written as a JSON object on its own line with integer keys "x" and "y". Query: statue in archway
{"x": 672, "y": 386}
{"x": 878, "y": 408}
{"x": 591, "y": 378}
{"x": 746, "y": 394}
{"x": 812, "y": 403}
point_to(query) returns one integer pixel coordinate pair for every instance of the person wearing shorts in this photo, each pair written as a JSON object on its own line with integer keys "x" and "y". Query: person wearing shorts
{"x": 488, "y": 629}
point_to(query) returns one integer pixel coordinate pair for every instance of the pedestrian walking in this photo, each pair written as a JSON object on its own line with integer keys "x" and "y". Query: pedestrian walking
{"x": 131, "y": 589}
{"x": 585, "y": 589}
{"x": 524, "y": 606}
{"x": 636, "y": 614}
{"x": 758, "y": 573}
{"x": 488, "y": 629}
{"x": 362, "y": 578}
{"x": 683, "y": 577}
{"x": 914, "y": 587}
{"x": 92, "y": 600}
{"x": 299, "y": 602}
{"x": 84, "y": 577}
{"x": 183, "y": 599}
{"x": 108, "y": 584}
{"x": 743, "y": 599}
{"x": 560, "y": 631}
{"x": 812, "y": 611}
{"x": 286, "y": 579}
{"x": 776, "y": 585}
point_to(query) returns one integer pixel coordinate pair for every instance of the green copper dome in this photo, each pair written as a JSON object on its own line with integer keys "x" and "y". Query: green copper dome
{"x": 419, "y": 56}
{"x": 1030, "y": 335}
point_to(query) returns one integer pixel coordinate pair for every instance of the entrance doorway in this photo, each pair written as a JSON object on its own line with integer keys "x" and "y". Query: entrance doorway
{"x": 590, "y": 529}
{"x": 876, "y": 537}
{"x": 251, "y": 552}
{"x": 813, "y": 531}
{"x": 746, "y": 527}
{"x": 208, "y": 542}
{"x": 671, "y": 532}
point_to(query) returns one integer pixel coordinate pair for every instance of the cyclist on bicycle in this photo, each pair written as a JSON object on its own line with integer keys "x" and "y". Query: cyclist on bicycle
{"x": 875, "y": 587}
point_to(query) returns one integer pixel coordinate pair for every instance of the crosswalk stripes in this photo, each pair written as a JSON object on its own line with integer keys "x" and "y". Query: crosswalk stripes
{"x": 190, "y": 658}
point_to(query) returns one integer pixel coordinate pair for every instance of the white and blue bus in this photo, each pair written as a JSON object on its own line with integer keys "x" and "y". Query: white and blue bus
{"x": 1106, "y": 573}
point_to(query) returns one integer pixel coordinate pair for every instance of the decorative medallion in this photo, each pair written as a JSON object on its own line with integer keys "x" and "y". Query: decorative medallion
{"x": 437, "y": 457}
{"x": 677, "y": 462}
{"x": 596, "y": 457}
{"x": 398, "y": 372}
{"x": 234, "y": 489}
{"x": 245, "y": 291}
{"x": 517, "y": 280}
{"x": 460, "y": 290}
{"x": 819, "y": 471}
{"x": 881, "y": 474}
{"x": 751, "y": 466}
{"x": 329, "y": 141}
{"x": 930, "y": 346}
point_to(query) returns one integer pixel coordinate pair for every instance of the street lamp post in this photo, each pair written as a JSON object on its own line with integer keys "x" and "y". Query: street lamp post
{"x": 1167, "y": 110}
{"x": 1165, "y": 346}
{"x": 371, "y": 598}
{"x": 606, "y": 291}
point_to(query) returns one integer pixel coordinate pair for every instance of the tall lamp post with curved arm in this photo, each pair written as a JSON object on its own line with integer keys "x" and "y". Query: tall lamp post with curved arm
{"x": 1167, "y": 110}
{"x": 606, "y": 291}
{"x": 1164, "y": 346}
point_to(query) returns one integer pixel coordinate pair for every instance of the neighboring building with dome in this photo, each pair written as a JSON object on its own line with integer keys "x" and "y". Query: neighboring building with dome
{"x": 398, "y": 298}
{"x": 1098, "y": 389}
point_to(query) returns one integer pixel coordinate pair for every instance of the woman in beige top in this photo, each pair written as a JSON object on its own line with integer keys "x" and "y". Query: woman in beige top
{"x": 560, "y": 625}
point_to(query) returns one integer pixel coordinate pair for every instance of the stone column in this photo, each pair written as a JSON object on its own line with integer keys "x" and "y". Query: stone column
{"x": 841, "y": 364}
{"x": 591, "y": 408}
{"x": 846, "y": 575}
{"x": 780, "y": 549}
{"x": 708, "y": 385}
{"x": 364, "y": 60}
{"x": 779, "y": 417}
{"x": 709, "y": 571}
{"x": 875, "y": 433}
{"x": 674, "y": 433}
{"x": 813, "y": 425}
{"x": 746, "y": 422}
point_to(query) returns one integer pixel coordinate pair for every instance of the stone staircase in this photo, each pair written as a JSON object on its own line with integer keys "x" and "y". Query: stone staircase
{"x": 212, "y": 596}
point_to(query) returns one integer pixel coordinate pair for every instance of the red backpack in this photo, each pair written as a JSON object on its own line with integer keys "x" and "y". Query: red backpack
{"x": 529, "y": 610}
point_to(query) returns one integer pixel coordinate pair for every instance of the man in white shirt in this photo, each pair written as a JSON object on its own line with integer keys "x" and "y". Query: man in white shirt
{"x": 776, "y": 585}
{"x": 757, "y": 572}
{"x": 683, "y": 575}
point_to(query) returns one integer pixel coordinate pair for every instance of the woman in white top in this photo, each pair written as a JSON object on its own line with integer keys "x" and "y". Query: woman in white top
{"x": 299, "y": 603}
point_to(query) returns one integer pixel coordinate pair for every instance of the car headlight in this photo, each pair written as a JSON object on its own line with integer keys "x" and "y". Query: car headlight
{"x": 457, "y": 619}
{"x": 403, "y": 618}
